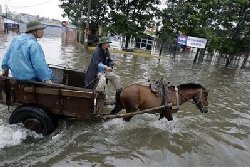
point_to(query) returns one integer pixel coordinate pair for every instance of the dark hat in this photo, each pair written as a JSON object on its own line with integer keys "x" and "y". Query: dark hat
{"x": 34, "y": 25}
{"x": 104, "y": 40}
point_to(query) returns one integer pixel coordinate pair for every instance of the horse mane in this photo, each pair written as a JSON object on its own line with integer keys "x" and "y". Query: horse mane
{"x": 191, "y": 86}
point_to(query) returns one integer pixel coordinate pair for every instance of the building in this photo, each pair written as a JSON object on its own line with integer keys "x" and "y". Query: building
{"x": 10, "y": 25}
{"x": 1, "y": 20}
{"x": 69, "y": 34}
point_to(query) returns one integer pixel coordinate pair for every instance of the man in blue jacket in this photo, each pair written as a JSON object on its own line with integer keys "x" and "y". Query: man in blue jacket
{"x": 100, "y": 68}
{"x": 25, "y": 57}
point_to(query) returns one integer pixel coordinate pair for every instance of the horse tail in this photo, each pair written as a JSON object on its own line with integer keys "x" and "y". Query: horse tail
{"x": 118, "y": 105}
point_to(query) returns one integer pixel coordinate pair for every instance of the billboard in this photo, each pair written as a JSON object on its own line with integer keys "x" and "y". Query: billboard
{"x": 192, "y": 41}
{"x": 196, "y": 42}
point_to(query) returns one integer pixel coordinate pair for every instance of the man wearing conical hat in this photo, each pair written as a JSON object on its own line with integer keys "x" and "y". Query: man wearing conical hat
{"x": 25, "y": 57}
{"x": 100, "y": 68}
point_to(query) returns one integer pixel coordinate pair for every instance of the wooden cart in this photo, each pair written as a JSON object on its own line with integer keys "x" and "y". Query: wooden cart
{"x": 38, "y": 105}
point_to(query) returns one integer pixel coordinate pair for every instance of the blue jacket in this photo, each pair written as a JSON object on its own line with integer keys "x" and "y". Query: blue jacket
{"x": 25, "y": 59}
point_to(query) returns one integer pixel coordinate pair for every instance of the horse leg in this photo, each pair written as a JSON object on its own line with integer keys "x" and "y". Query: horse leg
{"x": 118, "y": 107}
{"x": 127, "y": 119}
{"x": 161, "y": 116}
{"x": 168, "y": 115}
{"x": 129, "y": 110}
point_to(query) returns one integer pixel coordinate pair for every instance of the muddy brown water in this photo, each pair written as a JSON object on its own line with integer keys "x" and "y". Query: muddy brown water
{"x": 220, "y": 137}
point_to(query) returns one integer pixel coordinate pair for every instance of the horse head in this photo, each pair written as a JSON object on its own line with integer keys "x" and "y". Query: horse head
{"x": 201, "y": 100}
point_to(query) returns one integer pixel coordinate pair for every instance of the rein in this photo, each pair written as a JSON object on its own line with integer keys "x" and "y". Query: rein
{"x": 91, "y": 82}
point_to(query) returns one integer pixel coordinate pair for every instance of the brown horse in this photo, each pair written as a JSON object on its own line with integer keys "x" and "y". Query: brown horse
{"x": 140, "y": 97}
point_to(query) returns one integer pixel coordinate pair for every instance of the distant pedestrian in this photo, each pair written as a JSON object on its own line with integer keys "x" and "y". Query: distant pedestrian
{"x": 25, "y": 57}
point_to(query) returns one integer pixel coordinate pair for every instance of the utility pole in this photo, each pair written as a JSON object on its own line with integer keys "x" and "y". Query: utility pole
{"x": 6, "y": 10}
{"x": 6, "y": 28}
{"x": 1, "y": 10}
{"x": 87, "y": 27}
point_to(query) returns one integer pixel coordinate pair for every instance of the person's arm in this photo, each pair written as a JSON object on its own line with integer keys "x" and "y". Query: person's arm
{"x": 99, "y": 57}
{"x": 101, "y": 67}
{"x": 5, "y": 60}
{"x": 110, "y": 62}
{"x": 39, "y": 64}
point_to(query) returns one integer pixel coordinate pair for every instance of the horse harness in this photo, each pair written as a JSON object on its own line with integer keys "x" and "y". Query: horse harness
{"x": 162, "y": 89}
{"x": 176, "y": 108}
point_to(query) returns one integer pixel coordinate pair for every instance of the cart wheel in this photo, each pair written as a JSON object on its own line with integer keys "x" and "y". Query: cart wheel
{"x": 45, "y": 109}
{"x": 34, "y": 118}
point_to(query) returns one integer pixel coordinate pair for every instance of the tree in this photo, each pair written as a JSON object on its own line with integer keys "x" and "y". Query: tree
{"x": 126, "y": 17}
{"x": 192, "y": 18}
{"x": 77, "y": 11}
{"x": 131, "y": 17}
{"x": 225, "y": 23}
{"x": 234, "y": 27}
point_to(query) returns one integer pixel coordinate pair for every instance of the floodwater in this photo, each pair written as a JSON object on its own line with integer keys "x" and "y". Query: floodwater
{"x": 220, "y": 137}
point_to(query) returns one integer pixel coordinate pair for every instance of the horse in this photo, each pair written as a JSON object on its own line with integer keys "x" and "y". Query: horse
{"x": 140, "y": 97}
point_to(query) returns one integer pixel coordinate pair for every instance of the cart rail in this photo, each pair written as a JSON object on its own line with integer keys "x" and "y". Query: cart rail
{"x": 124, "y": 115}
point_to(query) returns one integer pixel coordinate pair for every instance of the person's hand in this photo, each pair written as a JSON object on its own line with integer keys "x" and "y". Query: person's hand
{"x": 47, "y": 81}
{"x": 5, "y": 73}
{"x": 108, "y": 69}
{"x": 116, "y": 62}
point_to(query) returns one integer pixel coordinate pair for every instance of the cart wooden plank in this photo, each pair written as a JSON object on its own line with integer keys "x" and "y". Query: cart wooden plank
{"x": 62, "y": 92}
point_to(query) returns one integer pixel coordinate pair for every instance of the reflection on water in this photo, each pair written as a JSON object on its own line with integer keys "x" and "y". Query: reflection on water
{"x": 217, "y": 138}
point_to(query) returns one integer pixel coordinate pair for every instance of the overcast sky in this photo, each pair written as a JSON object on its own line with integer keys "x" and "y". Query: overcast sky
{"x": 46, "y": 8}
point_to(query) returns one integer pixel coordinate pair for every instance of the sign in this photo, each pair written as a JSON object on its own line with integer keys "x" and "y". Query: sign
{"x": 64, "y": 23}
{"x": 182, "y": 39}
{"x": 192, "y": 41}
{"x": 196, "y": 42}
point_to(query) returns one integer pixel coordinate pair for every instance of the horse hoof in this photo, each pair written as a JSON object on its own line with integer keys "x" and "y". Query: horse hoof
{"x": 112, "y": 113}
{"x": 126, "y": 119}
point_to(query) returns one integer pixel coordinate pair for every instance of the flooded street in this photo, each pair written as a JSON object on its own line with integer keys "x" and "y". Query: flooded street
{"x": 220, "y": 137}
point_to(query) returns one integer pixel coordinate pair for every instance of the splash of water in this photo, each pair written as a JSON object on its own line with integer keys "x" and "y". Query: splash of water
{"x": 14, "y": 134}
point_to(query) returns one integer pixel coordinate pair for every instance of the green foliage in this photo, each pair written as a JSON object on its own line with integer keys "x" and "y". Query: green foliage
{"x": 234, "y": 26}
{"x": 225, "y": 23}
{"x": 77, "y": 11}
{"x": 130, "y": 17}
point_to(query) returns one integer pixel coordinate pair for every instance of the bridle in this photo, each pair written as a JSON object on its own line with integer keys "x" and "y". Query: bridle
{"x": 194, "y": 101}
{"x": 197, "y": 102}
